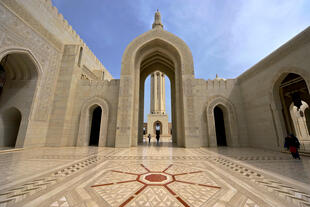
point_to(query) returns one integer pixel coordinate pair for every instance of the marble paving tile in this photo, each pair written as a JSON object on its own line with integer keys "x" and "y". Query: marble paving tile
{"x": 153, "y": 176}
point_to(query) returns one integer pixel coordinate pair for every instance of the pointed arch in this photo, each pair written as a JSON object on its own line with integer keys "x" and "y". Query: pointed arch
{"x": 231, "y": 122}
{"x": 86, "y": 118}
{"x": 19, "y": 50}
{"x": 173, "y": 57}
{"x": 280, "y": 114}
{"x": 24, "y": 72}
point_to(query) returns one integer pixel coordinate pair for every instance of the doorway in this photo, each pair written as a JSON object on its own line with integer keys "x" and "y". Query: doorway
{"x": 220, "y": 127}
{"x": 162, "y": 109}
{"x": 95, "y": 127}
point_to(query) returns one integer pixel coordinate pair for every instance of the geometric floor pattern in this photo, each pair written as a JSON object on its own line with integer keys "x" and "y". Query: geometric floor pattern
{"x": 154, "y": 176}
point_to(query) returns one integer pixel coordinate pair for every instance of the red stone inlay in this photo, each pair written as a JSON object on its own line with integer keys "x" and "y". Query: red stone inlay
{"x": 155, "y": 178}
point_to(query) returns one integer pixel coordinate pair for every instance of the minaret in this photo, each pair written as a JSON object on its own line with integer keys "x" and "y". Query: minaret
{"x": 158, "y": 115}
{"x": 158, "y": 100}
{"x": 157, "y": 21}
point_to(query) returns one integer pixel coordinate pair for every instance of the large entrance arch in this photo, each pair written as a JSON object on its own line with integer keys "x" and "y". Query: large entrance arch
{"x": 154, "y": 50}
{"x": 19, "y": 73}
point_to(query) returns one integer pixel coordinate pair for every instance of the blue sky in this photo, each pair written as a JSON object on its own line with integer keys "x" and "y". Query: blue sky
{"x": 226, "y": 37}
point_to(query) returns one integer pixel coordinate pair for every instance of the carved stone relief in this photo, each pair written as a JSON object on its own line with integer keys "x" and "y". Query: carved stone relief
{"x": 16, "y": 34}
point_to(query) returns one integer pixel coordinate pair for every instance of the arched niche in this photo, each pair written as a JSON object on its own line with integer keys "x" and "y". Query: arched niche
{"x": 230, "y": 120}
{"x": 163, "y": 51}
{"x": 86, "y": 121}
{"x": 21, "y": 75}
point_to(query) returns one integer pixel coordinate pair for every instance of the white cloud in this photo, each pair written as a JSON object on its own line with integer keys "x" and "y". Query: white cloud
{"x": 236, "y": 33}
{"x": 261, "y": 27}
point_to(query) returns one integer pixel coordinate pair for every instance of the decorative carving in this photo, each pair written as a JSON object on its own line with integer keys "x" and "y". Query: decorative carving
{"x": 18, "y": 35}
{"x": 84, "y": 77}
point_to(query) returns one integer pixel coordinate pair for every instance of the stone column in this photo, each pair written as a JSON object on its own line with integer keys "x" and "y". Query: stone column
{"x": 158, "y": 100}
{"x": 152, "y": 108}
{"x": 163, "y": 100}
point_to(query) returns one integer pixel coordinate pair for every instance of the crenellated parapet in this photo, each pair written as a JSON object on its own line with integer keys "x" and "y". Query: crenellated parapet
{"x": 68, "y": 28}
{"x": 217, "y": 84}
{"x": 98, "y": 84}
{"x": 220, "y": 84}
{"x": 44, "y": 19}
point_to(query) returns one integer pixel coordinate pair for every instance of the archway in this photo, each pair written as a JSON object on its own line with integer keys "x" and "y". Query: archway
{"x": 294, "y": 99}
{"x": 157, "y": 62}
{"x": 160, "y": 127}
{"x": 159, "y": 50}
{"x": 141, "y": 59}
{"x": 95, "y": 127}
{"x": 86, "y": 122}
{"x": 220, "y": 126}
{"x": 19, "y": 74}
{"x": 221, "y": 112}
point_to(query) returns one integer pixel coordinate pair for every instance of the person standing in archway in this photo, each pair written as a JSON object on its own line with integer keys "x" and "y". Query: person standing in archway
{"x": 157, "y": 136}
{"x": 292, "y": 144}
{"x": 149, "y": 136}
{"x": 157, "y": 132}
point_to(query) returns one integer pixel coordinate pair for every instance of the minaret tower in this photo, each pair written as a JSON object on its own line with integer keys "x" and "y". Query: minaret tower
{"x": 158, "y": 115}
{"x": 157, "y": 21}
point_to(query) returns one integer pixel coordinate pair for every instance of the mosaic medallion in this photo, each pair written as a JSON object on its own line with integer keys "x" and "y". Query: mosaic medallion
{"x": 156, "y": 188}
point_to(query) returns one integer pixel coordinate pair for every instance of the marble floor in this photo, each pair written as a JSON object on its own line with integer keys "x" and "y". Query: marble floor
{"x": 153, "y": 176}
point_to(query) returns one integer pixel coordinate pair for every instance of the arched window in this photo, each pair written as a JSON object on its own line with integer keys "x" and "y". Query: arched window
{"x": 80, "y": 56}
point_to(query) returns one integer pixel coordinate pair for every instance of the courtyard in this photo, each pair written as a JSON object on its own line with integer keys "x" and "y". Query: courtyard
{"x": 153, "y": 175}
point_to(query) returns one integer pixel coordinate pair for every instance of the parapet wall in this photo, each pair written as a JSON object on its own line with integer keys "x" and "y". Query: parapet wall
{"x": 108, "y": 90}
{"x": 206, "y": 91}
{"x": 45, "y": 19}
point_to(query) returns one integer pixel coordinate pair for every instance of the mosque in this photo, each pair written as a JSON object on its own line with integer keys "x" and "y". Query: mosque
{"x": 57, "y": 98}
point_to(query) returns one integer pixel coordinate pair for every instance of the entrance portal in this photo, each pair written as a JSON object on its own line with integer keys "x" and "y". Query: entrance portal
{"x": 156, "y": 50}
{"x": 220, "y": 127}
{"x": 95, "y": 127}
{"x": 18, "y": 79}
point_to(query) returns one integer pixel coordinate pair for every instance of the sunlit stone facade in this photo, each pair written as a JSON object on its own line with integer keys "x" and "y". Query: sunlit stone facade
{"x": 52, "y": 86}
